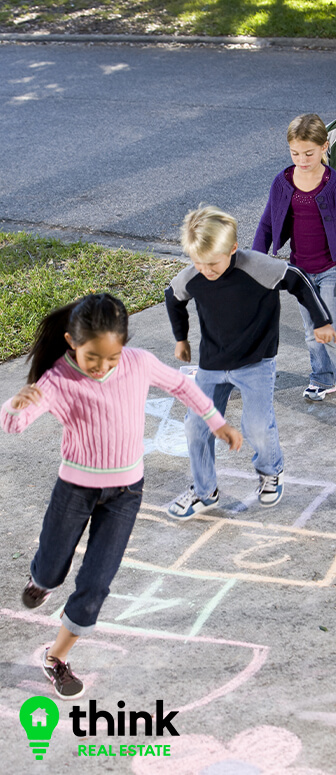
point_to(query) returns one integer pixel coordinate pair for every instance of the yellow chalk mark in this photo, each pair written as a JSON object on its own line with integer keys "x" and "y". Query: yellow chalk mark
{"x": 196, "y": 546}
{"x": 208, "y": 575}
{"x": 262, "y": 542}
{"x": 329, "y": 577}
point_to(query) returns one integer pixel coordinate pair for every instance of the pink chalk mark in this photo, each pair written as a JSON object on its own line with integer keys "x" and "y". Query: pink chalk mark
{"x": 259, "y": 657}
{"x": 266, "y": 747}
{"x": 272, "y": 750}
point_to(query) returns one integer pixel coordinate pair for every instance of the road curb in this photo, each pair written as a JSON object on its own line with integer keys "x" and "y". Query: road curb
{"x": 232, "y": 41}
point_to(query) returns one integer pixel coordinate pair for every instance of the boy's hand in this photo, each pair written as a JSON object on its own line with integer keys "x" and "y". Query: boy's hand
{"x": 29, "y": 394}
{"x": 182, "y": 351}
{"x": 325, "y": 334}
{"x": 230, "y": 434}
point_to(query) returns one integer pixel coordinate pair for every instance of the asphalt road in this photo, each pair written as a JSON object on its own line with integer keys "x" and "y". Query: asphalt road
{"x": 123, "y": 140}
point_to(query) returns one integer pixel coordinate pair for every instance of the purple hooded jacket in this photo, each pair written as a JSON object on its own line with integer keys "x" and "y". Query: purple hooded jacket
{"x": 272, "y": 225}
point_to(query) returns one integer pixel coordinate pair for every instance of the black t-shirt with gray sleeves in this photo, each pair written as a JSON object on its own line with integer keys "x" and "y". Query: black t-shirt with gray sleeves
{"x": 239, "y": 312}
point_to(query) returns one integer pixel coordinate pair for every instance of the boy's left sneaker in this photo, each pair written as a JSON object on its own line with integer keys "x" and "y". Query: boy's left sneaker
{"x": 270, "y": 490}
{"x": 188, "y": 504}
{"x": 66, "y": 685}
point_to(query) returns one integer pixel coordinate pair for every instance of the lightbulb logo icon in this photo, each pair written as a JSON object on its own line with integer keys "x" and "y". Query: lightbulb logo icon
{"x": 39, "y": 717}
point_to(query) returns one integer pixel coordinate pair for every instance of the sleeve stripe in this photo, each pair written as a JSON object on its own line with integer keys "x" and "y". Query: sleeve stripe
{"x": 210, "y": 413}
{"x": 293, "y": 268}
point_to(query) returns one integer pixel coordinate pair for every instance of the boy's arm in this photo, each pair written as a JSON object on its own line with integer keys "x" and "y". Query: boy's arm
{"x": 297, "y": 282}
{"x": 178, "y": 315}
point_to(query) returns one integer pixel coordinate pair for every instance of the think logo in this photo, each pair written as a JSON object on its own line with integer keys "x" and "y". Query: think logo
{"x": 39, "y": 716}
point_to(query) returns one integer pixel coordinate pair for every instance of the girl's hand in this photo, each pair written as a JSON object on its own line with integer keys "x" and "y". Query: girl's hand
{"x": 29, "y": 394}
{"x": 182, "y": 351}
{"x": 325, "y": 334}
{"x": 230, "y": 434}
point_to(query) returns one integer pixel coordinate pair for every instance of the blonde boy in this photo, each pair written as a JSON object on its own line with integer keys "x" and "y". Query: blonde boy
{"x": 237, "y": 300}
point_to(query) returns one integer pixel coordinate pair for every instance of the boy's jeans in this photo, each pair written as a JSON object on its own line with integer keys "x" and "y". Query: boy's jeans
{"x": 322, "y": 357}
{"x": 113, "y": 511}
{"x": 256, "y": 384}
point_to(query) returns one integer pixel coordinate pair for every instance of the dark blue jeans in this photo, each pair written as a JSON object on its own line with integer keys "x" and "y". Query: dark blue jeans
{"x": 113, "y": 511}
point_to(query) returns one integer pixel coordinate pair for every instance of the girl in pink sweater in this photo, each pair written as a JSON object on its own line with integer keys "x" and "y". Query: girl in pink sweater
{"x": 97, "y": 389}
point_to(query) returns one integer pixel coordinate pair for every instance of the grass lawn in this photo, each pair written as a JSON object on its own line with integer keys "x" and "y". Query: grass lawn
{"x": 37, "y": 275}
{"x": 263, "y": 18}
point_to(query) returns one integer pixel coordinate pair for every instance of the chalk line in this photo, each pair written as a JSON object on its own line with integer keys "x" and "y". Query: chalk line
{"x": 210, "y": 607}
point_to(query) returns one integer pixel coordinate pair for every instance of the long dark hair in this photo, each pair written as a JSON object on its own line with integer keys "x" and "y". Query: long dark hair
{"x": 83, "y": 319}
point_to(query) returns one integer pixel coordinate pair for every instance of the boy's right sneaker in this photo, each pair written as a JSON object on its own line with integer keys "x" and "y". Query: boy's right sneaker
{"x": 189, "y": 504}
{"x": 33, "y": 596}
{"x": 315, "y": 393}
{"x": 67, "y": 686}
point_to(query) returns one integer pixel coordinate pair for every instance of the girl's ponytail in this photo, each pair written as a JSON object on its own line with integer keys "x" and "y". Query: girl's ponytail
{"x": 49, "y": 343}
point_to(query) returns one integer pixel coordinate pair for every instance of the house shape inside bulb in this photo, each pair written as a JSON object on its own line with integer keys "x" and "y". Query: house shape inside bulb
{"x": 39, "y": 717}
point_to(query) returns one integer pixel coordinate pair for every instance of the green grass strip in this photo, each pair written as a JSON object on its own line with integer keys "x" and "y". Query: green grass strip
{"x": 262, "y": 18}
{"x": 37, "y": 275}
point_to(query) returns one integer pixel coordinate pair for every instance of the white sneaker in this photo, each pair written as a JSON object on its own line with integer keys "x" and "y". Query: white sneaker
{"x": 270, "y": 490}
{"x": 315, "y": 393}
{"x": 189, "y": 504}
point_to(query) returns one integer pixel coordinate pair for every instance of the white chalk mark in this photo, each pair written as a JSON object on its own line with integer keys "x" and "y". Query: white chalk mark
{"x": 309, "y": 511}
{"x": 210, "y": 607}
{"x": 329, "y": 719}
{"x": 327, "y": 489}
{"x": 170, "y": 436}
{"x": 147, "y": 603}
{"x": 159, "y": 407}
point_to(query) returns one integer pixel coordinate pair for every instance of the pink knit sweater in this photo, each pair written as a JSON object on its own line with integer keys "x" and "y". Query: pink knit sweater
{"x": 103, "y": 419}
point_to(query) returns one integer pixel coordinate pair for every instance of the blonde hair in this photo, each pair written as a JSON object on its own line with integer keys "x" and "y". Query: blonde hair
{"x": 208, "y": 230}
{"x": 309, "y": 126}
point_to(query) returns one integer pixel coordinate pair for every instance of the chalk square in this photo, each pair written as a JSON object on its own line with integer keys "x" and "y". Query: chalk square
{"x": 267, "y": 553}
{"x": 162, "y": 600}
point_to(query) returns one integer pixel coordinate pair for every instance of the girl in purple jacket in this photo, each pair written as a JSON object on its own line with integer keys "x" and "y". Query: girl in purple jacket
{"x": 302, "y": 207}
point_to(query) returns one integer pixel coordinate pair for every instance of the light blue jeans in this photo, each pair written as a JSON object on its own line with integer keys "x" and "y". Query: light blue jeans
{"x": 256, "y": 384}
{"x": 322, "y": 356}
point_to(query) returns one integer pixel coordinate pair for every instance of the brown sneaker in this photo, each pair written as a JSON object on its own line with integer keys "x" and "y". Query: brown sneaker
{"x": 66, "y": 684}
{"x": 33, "y": 596}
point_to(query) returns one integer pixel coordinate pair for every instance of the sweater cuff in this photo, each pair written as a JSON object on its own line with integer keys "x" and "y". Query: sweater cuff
{"x": 214, "y": 419}
{"x": 7, "y": 407}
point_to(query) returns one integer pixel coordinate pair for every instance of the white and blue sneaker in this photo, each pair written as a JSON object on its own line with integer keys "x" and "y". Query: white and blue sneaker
{"x": 270, "y": 490}
{"x": 188, "y": 504}
{"x": 315, "y": 393}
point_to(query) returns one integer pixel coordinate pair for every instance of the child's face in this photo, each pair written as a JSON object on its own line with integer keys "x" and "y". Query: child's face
{"x": 215, "y": 266}
{"x": 99, "y": 355}
{"x": 307, "y": 156}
